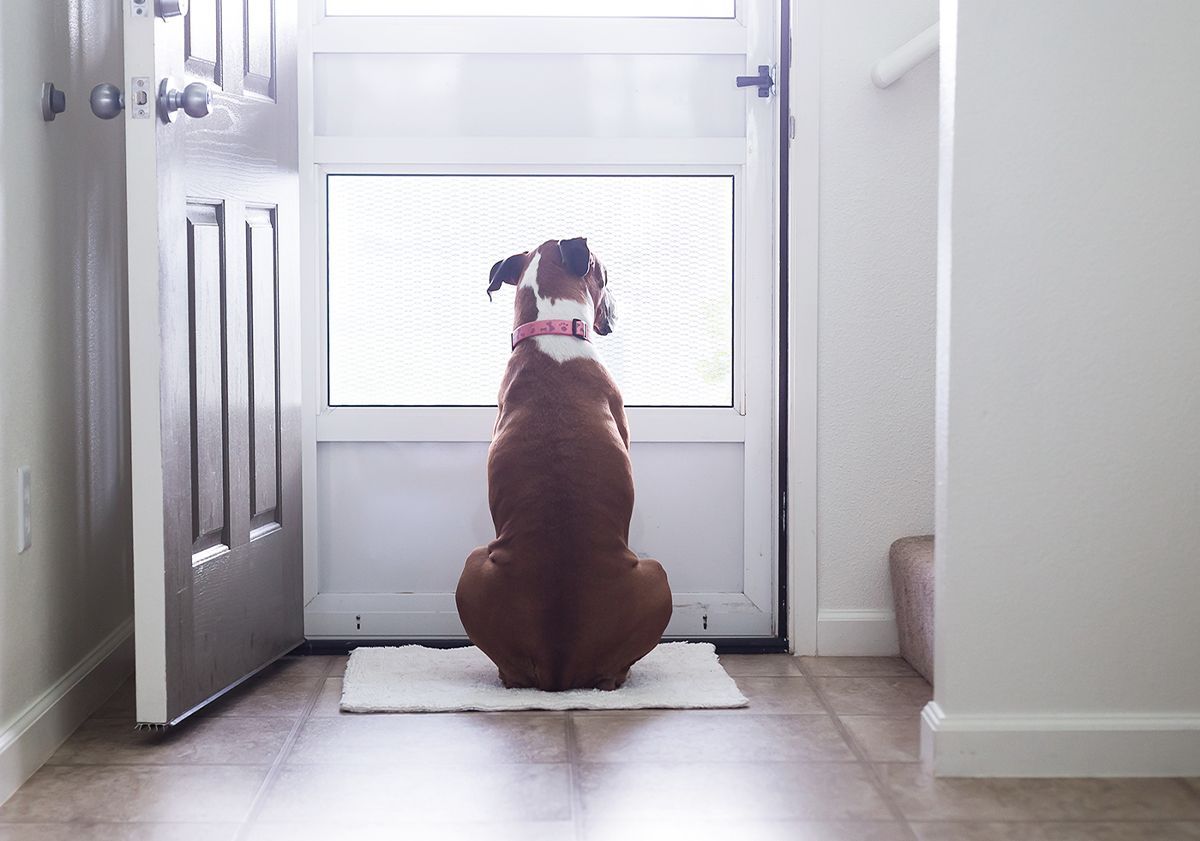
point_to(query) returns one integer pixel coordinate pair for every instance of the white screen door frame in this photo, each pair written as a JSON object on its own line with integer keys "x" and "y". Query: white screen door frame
{"x": 748, "y": 611}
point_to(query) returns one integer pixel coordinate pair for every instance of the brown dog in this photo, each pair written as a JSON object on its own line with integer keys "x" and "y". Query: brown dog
{"x": 558, "y": 601}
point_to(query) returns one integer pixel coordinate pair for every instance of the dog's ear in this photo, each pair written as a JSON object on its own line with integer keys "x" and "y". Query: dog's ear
{"x": 575, "y": 255}
{"x": 507, "y": 271}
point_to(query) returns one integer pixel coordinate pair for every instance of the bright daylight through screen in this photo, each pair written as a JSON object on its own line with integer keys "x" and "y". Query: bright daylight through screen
{"x": 409, "y": 255}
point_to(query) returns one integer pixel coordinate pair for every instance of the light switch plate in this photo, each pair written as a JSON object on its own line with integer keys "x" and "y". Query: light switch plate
{"x": 24, "y": 508}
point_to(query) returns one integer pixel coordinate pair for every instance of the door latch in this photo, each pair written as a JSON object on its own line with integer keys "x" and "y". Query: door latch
{"x": 762, "y": 81}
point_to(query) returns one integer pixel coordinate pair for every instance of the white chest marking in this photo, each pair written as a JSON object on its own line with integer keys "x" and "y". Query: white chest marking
{"x": 560, "y": 348}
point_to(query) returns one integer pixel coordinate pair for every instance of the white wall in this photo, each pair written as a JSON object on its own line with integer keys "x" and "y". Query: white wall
{"x": 62, "y": 368}
{"x": 1068, "y": 630}
{"x": 877, "y": 242}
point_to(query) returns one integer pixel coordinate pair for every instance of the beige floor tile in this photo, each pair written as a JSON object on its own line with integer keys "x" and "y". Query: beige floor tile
{"x": 304, "y": 665}
{"x": 338, "y": 668}
{"x": 676, "y": 736}
{"x": 1025, "y": 831}
{"x": 791, "y": 695}
{"x": 267, "y": 695}
{"x": 856, "y": 667}
{"x": 288, "y": 673}
{"x": 886, "y": 738}
{"x": 423, "y": 738}
{"x": 211, "y": 741}
{"x": 119, "y": 832}
{"x": 921, "y": 797}
{"x": 777, "y": 696}
{"x": 410, "y": 792}
{"x": 330, "y": 699}
{"x": 729, "y": 791}
{"x": 760, "y": 665}
{"x": 216, "y": 793}
{"x": 406, "y": 831}
{"x": 746, "y": 830}
{"x": 875, "y": 695}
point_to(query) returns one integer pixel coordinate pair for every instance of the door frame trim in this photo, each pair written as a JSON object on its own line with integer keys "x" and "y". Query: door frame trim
{"x": 800, "y": 166}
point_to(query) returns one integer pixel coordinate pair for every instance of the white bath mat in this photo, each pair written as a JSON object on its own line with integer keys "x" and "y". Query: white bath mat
{"x": 412, "y": 678}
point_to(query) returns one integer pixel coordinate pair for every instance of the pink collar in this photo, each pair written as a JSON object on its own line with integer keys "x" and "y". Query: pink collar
{"x": 576, "y": 327}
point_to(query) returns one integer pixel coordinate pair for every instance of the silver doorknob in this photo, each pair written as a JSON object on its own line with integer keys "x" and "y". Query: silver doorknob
{"x": 195, "y": 100}
{"x": 107, "y": 101}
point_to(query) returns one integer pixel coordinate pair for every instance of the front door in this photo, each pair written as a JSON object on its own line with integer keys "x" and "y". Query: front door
{"x": 210, "y": 111}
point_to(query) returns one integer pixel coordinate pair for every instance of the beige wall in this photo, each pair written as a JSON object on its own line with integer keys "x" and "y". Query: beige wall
{"x": 63, "y": 395}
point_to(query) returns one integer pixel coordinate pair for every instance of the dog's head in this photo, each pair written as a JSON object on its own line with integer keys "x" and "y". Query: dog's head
{"x": 566, "y": 270}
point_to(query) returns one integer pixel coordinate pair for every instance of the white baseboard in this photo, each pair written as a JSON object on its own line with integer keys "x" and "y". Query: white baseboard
{"x": 1060, "y": 746}
{"x": 30, "y": 740}
{"x": 857, "y": 633}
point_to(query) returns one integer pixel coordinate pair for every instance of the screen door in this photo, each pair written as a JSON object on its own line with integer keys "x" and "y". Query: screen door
{"x": 445, "y": 141}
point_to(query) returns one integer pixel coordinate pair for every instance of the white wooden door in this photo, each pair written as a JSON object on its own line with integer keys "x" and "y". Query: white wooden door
{"x": 441, "y": 144}
{"x": 213, "y": 324}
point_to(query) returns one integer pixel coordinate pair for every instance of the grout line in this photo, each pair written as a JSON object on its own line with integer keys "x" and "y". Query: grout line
{"x": 1194, "y": 790}
{"x": 873, "y": 772}
{"x": 285, "y": 751}
{"x": 573, "y": 776}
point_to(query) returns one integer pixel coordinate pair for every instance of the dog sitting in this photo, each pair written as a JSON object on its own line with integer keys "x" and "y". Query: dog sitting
{"x": 558, "y": 600}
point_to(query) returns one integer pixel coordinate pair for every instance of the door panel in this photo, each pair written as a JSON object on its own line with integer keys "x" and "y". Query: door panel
{"x": 214, "y": 374}
{"x": 263, "y": 345}
{"x": 386, "y": 509}
{"x": 258, "y": 46}
{"x": 206, "y": 337}
{"x": 202, "y": 46}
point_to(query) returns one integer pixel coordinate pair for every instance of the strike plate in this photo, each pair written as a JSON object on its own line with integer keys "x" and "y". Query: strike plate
{"x": 139, "y": 102}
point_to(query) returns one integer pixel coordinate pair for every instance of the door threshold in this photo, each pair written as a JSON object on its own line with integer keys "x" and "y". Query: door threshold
{"x": 724, "y": 645}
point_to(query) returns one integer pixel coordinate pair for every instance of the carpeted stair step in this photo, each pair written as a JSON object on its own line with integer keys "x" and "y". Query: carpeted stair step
{"x": 911, "y": 562}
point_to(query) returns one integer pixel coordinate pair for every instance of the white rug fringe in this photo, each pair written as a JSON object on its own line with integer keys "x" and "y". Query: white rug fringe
{"x": 413, "y": 678}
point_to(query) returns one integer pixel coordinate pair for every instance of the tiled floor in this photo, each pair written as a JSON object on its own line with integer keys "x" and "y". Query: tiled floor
{"x": 827, "y": 750}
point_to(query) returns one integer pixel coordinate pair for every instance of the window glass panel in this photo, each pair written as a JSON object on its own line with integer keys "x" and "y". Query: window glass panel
{"x": 559, "y": 95}
{"x": 541, "y": 8}
{"x": 409, "y": 255}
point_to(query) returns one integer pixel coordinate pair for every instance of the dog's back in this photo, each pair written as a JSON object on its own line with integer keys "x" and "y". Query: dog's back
{"x": 558, "y": 600}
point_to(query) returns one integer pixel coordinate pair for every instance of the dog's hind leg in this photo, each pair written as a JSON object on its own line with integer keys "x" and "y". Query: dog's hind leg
{"x": 471, "y": 596}
{"x": 643, "y": 618}
{"x": 486, "y": 609}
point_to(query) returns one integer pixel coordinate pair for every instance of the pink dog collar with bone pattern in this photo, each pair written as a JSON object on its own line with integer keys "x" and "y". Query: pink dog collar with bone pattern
{"x": 576, "y": 327}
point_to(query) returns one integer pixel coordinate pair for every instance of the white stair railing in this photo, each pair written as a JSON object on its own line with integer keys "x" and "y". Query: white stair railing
{"x": 904, "y": 58}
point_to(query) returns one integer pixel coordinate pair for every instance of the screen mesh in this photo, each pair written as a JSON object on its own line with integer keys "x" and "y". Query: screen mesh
{"x": 409, "y": 255}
